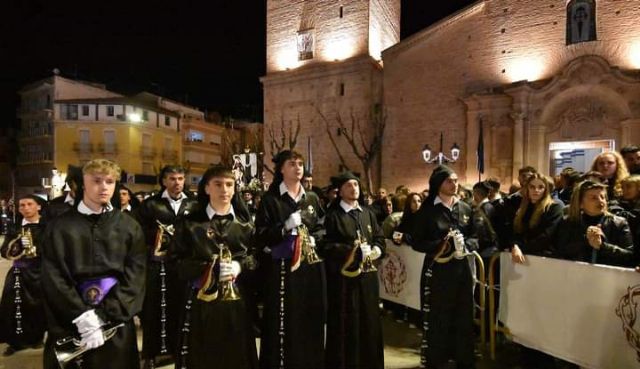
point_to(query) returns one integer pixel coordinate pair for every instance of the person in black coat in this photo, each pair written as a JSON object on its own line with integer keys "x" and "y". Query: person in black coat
{"x": 590, "y": 233}
{"x": 536, "y": 220}
{"x": 443, "y": 230}
{"x": 22, "y": 321}
{"x": 64, "y": 203}
{"x": 216, "y": 330}
{"x": 93, "y": 268}
{"x": 294, "y": 291}
{"x": 353, "y": 241}
{"x": 631, "y": 210}
{"x": 164, "y": 296}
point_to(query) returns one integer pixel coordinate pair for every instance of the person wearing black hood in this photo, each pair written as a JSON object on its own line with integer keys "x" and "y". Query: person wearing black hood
{"x": 158, "y": 215}
{"x": 288, "y": 227}
{"x": 353, "y": 240}
{"x": 93, "y": 268}
{"x": 443, "y": 231}
{"x": 22, "y": 321}
{"x": 216, "y": 329}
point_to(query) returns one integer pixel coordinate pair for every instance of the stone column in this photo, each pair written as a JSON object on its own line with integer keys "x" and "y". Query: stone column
{"x": 630, "y": 132}
{"x": 538, "y": 150}
{"x": 518, "y": 142}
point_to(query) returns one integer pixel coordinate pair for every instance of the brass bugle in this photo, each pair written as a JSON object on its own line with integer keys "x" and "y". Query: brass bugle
{"x": 24, "y": 242}
{"x": 69, "y": 349}
{"x": 308, "y": 253}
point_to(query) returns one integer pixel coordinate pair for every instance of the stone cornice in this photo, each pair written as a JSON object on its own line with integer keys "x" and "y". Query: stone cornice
{"x": 320, "y": 70}
{"x": 436, "y": 27}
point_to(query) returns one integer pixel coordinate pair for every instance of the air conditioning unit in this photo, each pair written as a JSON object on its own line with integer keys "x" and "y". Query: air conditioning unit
{"x": 121, "y": 117}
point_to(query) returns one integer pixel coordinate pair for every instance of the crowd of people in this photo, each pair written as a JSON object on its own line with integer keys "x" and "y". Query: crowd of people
{"x": 196, "y": 267}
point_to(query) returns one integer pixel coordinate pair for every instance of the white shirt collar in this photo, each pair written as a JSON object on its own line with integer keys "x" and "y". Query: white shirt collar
{"x": 181, "y": 196}
{"x": 175, "y": 204}
{"x": 438, "y": 200}
{"x": 283, "y": 189}
{"x": 126, "y": 208}
{"x": 347, "y": 208}
{"x": 211, "y": 212}
{"x": 84, "y": 209}
{"x": 69, "y": 200}
{"x": 25, "y": 222}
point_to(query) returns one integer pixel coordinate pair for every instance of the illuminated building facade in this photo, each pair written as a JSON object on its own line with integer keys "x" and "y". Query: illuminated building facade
{"x": 545, "y": 78}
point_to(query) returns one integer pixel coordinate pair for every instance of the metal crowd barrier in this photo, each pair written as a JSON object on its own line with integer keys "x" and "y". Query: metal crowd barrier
{"x": 480, "y": 320}
{"x": 493, "y": 325}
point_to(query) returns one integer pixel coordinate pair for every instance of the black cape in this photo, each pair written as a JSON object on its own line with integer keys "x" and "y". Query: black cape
{"x": 354, "y": 330}
{"x": 159, "y": 335}
{"x": 215, "y": 334}
{"x": 302, "y": 312}
{"x": 23, "y": 281}
{"x": 84, "y": 247}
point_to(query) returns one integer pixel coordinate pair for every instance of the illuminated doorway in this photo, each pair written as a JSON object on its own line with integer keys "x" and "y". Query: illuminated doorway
{"x": 578, "y": 155}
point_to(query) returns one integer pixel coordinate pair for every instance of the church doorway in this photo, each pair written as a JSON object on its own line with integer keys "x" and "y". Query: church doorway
{"x": 578, "y": 155}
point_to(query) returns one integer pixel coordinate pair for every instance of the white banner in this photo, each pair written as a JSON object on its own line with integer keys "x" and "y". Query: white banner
{"x": 399, "y": 275}
{"x": 585, "y": 314}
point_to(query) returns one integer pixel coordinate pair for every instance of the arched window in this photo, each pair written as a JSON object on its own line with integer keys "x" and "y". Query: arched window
{"x": 581, "y": 21}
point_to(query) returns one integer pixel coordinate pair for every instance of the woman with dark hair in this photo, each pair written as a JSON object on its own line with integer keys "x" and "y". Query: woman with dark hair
{"x": 631, "y": 209}
{"x": 411, "y": 206}
{"x": 212, "y": 246}
{"x": 536, "y": 220}
{"x": 287, "y": 225}
{"x": 590, "y": 233}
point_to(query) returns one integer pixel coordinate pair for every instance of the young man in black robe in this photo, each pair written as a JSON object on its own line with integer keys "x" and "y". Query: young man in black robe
{"x": 443, "y": 231}
{"x": 294, "y": 294}
{"x": 22, "y": 321}
{"x": 164, "y": 296}
{"x": 93, "y": 268}
{"x": 216, "y": 329}
{"x": 352, "y": 242}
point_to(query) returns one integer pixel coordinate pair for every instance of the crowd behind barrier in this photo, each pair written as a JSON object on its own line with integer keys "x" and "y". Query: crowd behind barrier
{"x": 442, "y": 242}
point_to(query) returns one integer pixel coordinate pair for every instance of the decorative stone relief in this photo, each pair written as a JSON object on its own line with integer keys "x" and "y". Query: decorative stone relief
{"x": 583, "y": 118}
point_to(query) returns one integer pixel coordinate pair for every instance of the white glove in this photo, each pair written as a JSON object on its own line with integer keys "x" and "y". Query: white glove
{"x": 294, "y": 220}
{"x": 366, "y": 249}
{"x": 92, "y": 339}
{"x": 229, "y": 271}
{"x": 458, "y": 241}
{"x": 312, "y": 241}
{"x": 375, "y": 253}
{"x": 88, "y": 322}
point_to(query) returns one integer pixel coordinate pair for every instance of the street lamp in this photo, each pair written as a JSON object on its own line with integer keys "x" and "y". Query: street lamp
{"x": 440, "y": 157}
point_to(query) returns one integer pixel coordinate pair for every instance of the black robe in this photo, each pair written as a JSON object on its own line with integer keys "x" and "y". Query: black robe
{"x": 160, "y": 320}
{"x": 79, "y": 248}
{"x": 215, "y": 334}
{"x": 354, "y": 330}
{"x": 22, "y": 294}
{"x": 302, "y": 312}
{"x": 447, "y": 288}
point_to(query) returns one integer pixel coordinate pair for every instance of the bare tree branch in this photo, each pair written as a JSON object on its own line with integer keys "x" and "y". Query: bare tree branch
{"x": 332, "y": 139}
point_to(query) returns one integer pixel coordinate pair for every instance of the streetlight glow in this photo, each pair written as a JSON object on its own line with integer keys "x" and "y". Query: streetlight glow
{"x": 134, "y": 117}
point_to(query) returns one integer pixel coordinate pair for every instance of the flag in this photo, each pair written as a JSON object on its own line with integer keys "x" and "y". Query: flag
{"x": 480, "y": 151}
{"x": 309, "y": 164}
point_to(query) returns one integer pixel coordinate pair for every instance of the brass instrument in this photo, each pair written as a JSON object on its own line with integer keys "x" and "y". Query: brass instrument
{"x": 69, "y": 349}
{"x": 162, "y": 229}
{"x": 308, "y": 253}
{"x": 227, "y": 289}
{"x": 22, "y": 246}
{"x": 366, "y": 264}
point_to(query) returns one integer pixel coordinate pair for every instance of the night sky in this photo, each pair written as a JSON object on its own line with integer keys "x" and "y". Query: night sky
{"x": 209, "y": 54}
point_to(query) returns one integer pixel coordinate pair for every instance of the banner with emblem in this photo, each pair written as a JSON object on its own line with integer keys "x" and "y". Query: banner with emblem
{"x": 399, "y": 275}
{"x": 583, "y": 313}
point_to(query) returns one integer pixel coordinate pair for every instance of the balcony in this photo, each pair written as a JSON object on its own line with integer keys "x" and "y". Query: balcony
{"x": 170, "y": 155}
{"x": 108, "y": 148}
{"x": 35, "y": 158}
{"x": 147, "y": 152}
{"x": 83, "y": 147}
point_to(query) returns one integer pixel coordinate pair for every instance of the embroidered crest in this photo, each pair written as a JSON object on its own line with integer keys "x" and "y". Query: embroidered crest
{"x": 369, "y": 228}
{"x": 310, "y": 209}
{"x": 627, "y": 311}
{"x": 93, "y": 295}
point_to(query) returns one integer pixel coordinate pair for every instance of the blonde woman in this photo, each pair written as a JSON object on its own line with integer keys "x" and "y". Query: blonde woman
{"x": 613, "y": 169}
{"x": 536, "y": 219}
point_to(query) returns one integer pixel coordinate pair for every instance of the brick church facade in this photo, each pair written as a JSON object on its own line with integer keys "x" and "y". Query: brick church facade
{"x": 547, "y": 79}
